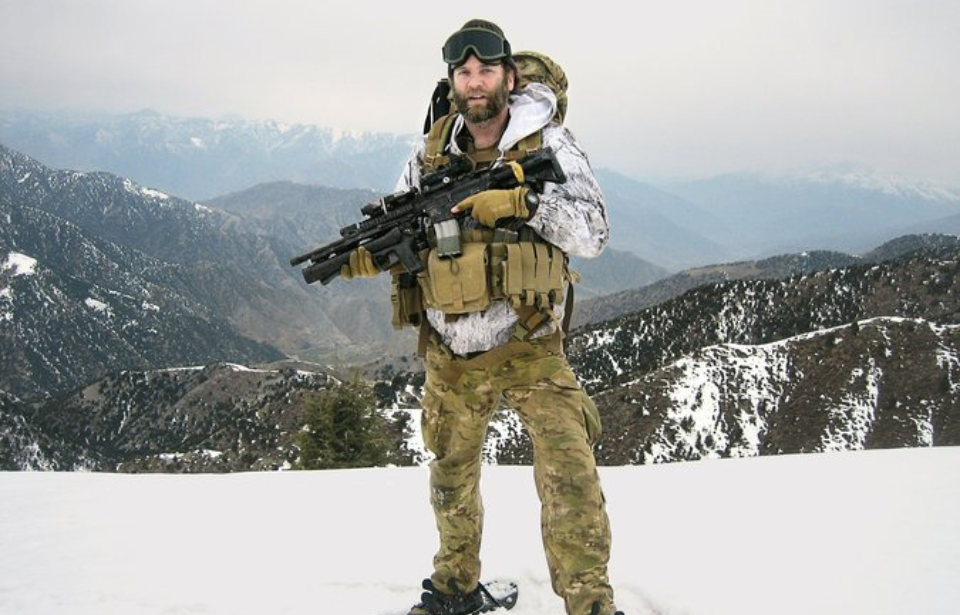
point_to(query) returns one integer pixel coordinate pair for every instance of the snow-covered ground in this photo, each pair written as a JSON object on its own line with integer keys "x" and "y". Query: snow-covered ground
{"x": 872, "y": 533}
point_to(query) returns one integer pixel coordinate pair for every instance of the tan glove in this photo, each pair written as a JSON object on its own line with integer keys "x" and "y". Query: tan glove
{"x": 491, "y": 205}
{"x": 361, "y": 265}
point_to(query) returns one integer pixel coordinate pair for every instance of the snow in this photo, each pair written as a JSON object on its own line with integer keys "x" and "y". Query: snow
{"x": 236, "y": 367}
{"x": 888, "y": 185}
{"x": 156, "y": 194}
{"x": 872, "y": 533}
{"x": 133, "y": 188}
{"x": 98, "y": 306}
{"x": 209, "y": 454}
{"x": 855, "y": 411}
{"x": 19, "y": 264}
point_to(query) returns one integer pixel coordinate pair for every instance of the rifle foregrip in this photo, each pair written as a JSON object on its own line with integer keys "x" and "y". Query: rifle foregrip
{"x": 324, "y": 271}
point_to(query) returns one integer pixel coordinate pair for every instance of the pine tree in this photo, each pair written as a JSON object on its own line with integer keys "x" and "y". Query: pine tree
{"x": 342, "y": 429}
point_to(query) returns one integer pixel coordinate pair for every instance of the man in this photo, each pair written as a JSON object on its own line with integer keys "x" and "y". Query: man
{"x": 482, "y": 349}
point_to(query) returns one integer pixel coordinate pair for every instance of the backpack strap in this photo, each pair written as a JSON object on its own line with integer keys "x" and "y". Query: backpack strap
{"x": 439, "y": 104}
{"x": 438, "y": 138}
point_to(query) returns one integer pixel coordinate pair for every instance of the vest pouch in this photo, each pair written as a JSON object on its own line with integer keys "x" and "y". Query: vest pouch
{"x": 458, "y": 285}
{"x": 405, "y": 299}
{"x": 534, "y": 274}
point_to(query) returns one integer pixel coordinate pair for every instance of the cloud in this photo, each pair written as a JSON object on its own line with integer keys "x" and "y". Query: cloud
{"x": 686, "y": 88}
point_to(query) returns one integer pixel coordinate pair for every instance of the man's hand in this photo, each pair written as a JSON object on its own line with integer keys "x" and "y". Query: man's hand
{"x": 491, "y": 205}
{"x": 361, "y": 265}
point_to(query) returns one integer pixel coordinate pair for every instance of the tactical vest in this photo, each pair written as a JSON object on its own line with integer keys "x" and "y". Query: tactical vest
{"x": 496, "y": 265}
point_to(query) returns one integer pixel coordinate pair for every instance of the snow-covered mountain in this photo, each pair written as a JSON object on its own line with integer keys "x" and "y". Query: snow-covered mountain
{"x": 859, "y": 178}
{"x": 201, "y": 158}
{"x": 921, "y": 284}
{"x": 230, "y": 267}
{"x": 773, "y": 268}
{"x": 73, "y": 305}
{"x": 882, "y": 383}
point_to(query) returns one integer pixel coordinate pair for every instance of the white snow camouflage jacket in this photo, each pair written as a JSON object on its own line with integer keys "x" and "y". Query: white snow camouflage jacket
{"x": 571, "y": 215}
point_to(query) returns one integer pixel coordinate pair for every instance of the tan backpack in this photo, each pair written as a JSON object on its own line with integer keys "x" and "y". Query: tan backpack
{"x": 536, "y": 67}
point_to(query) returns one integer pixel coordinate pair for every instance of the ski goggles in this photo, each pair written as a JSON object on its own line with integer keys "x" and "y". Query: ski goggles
{"x": 488, "y": 46}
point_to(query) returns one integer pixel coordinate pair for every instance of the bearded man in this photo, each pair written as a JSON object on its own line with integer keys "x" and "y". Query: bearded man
{"x": 487, "y": 346}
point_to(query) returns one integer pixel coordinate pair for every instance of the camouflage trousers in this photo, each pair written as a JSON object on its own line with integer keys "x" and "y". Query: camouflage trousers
{"x": 536, "y": 380}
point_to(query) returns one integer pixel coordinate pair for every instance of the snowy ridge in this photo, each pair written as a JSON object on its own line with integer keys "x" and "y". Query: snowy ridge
{"x": 920, "y": 284}
{"x": 844, "y": 388}
{"x": 891, "y": 186}
{"x": 203, "y": 158}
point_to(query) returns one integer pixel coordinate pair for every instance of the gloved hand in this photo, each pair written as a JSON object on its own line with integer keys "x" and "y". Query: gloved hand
{"x": 361, "y": 265}
{"x": 491, "y": 205}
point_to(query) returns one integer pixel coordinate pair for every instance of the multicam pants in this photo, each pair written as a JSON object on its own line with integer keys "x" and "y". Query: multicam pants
{"x": 563, "y": 424}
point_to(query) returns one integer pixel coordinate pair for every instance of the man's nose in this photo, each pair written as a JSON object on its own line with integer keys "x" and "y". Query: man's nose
{"x": 474, "y": 80}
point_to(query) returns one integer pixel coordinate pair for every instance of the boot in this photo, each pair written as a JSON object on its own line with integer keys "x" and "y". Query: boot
{"x": 595, "y": 610}
{"x": 435, "y": 602}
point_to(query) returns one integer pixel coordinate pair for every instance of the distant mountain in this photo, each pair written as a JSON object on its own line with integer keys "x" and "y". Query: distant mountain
{"x": 613, "y": 271}
{"x": 659, "y": 227}
{"x": 903, "y": 246}
{"x": 234, "y": 266}
{"x": 676, "y": 226}
{"x": 73, "y": 305}
{"x": 922, "y": 284}
{"x": 842, "y": 211}
{"x": 201, "y": 158}
{"x": 775, "y": 267}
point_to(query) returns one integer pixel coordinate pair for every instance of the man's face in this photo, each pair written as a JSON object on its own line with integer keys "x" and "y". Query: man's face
{"x": 481, "y": 91}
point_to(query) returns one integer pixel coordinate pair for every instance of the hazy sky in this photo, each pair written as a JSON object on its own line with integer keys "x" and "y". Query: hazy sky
{"x": 658, "y": 89}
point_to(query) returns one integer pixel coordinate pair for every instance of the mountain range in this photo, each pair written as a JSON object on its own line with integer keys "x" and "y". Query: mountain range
{"x": 674, "y": 226}
{"x": 773, "y": 268}
{"x": 200, "y": 158}
{"x": 127, "y": 315}
{"x": 711, "y": 373}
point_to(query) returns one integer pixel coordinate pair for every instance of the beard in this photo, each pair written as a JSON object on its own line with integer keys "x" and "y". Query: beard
{"x": 494, "y": 102}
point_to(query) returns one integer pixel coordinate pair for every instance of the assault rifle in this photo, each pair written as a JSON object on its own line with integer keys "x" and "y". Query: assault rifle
{"x": 395, "y": 228}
